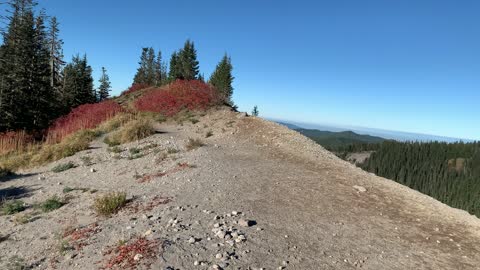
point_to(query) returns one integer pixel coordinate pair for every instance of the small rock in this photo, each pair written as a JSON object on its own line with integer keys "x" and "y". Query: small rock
{"x": 246, "y": 223}
{"x": 360, "y": 188}
{"x": 196, "y": 263}
{"x": 93, "y": 170}
{"x": 221, "y": 234}
{"x": 192, "y": 240}
{"x": 147, "y": 233}
{"x": 138, "y": 257}
{"x": 218, "y": 256}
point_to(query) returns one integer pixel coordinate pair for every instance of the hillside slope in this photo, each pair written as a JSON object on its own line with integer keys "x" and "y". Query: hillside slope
{"x": 331, "y": 139}
{"x": 307, "y": 208}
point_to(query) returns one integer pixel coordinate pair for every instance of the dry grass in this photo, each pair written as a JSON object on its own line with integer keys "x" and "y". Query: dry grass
{"x": 194, "y": 144}
{"x": 110, "y": 203}
{"x": 131, "y": 131}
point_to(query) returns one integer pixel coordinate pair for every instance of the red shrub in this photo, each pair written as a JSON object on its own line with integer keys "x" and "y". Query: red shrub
{"x": 82, "y": 117}
{"x": 14, "y": 140}
{"x": 179, "y": 95}
{"x": 135, "y": 88}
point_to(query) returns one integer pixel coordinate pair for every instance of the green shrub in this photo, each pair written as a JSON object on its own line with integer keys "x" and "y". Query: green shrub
{"x": 110, "y": 203}
{"x": 51, "y": 204}
{"x": 63, "y": 167}
{"x": 13, "y": 207}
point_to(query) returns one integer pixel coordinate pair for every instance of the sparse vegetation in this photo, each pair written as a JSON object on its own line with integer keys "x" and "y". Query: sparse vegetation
{"x": 110, "y": 203}
{"x": 17, "y": 263}
{"x": 194, "y": 144}
{"x": 63, "y": 167}
{"x": 172, "y": 150}
{"x": 51, "y": 204}
{"x": 115, "y": 149}
{"x": 5, "y": 172}
{"x": 209, "y": 134}
{"x": 12, "y": 207}
{"x": 70, "y": 189}
{"x": 131, "y": 131}
{"x": 23, "y": 219}
{"x": 86, "y": 160}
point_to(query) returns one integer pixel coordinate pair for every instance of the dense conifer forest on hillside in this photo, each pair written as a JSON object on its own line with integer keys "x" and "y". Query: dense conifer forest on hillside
{"x": 449, "y": 172}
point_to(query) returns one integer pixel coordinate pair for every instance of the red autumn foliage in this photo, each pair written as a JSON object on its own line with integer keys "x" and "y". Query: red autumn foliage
{"x": 179, "y": 95}
{"x": 79, "y": 237}
{"x": 135, "y": 88}
{"x": 14, "y": 140}
{"x": 82, "y": 117}
{"x": 150, "y": 177}
{"x": 124, "y": 256}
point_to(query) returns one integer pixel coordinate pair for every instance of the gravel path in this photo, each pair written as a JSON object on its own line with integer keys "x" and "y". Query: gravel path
{"x": 256, "y": 196}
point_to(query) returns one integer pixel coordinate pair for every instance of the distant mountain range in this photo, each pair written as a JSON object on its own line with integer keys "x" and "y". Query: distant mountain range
{"x": 332, "y": 139}
{"x": 379, "y": 133}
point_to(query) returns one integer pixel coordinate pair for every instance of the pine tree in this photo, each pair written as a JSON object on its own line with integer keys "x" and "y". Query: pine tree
{"x": 141, "y": 75}
{"x": 78, "y": 83}
{"x": 255, "y": 111}
{"x": 56, "y": 55}
{"x": 25, "y": 92}
{"x": 160, "y": 70}
{"x": 175, "y": 68}
{"x": 105, "y": 86}
{"x": 149, "y": 70}
{"x": 43, "y": 96}
{"x": 222, "y": 79}
{"x": 188, "y": 62}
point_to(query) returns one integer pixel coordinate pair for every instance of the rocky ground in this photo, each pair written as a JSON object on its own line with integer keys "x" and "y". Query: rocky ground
{"x": 255, "y": 196}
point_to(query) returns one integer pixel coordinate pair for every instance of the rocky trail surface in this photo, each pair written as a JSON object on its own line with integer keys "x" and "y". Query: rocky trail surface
{"x": 255, "y": 196}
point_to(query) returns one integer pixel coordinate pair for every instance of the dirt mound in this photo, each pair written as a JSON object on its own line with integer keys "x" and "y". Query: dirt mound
{"x": 249, "y": 194}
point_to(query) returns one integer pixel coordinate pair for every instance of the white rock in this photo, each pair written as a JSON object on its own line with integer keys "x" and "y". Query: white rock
{"x": 360, "y": 188}
{"x": 138, "y": 257}
{"x": 192, "y": 240}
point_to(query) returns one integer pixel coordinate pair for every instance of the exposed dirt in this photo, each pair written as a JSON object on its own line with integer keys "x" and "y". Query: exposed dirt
{"x": 295, "y": 206}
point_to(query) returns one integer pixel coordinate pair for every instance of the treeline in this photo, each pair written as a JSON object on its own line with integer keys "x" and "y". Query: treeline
{"x": 36, "y": 85}
{"x": 152, "y": 70}
{"x": 449, "y": 172}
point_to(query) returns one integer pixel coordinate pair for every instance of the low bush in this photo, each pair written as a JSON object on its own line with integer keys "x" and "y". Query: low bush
{"x": 53, "y": 203}
{"x": 110, "y": 203}
{"x": 14, "y": 141}
{"x": 131, "y": 131}
{"x": 134, "y": 88}
{"x": 87, "y": 116}
{"x": 13, "y": 207}
{"x": 194, "y": 144}
{"x": 63, "y": 167}
{"x": 178, "y": 96}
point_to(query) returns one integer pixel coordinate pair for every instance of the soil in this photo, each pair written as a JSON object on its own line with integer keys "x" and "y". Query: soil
{"x": 256, "y": 196}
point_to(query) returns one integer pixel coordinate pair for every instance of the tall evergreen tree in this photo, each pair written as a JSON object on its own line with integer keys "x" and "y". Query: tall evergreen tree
{"x": 188, "y": 61}
{"x": 222, "y": 78}
{"x": 25, "y": 92}
{"x": 105, "y": 86}
{"x": 175, "y": 68}
{"x": 160, "y": 70}
{"x": 141, "y": 74}
{"x": 147, "y": 71}
{"x": 56, "y": 55}
{"x": 43, "y": 97}
{"x": 78, "y": 83}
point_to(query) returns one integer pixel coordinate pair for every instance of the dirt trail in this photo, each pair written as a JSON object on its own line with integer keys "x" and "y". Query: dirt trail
{"x": 311, "y": 209}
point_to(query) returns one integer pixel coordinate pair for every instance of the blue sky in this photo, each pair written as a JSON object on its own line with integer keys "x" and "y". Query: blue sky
{"x": 400, "y": 65}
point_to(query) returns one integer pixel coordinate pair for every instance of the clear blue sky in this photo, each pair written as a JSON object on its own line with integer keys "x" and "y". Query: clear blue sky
{"x": 402, "y": 65}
